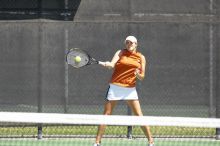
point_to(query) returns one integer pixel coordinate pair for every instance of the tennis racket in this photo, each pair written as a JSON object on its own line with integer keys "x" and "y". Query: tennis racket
{"x": 83, "y": 57}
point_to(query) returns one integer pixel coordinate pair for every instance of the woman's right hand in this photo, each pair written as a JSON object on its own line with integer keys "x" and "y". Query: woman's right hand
{"x": 109, "y": 65}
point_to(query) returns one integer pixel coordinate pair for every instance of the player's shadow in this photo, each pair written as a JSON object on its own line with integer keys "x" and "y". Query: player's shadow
{"x": 38, "y": 9}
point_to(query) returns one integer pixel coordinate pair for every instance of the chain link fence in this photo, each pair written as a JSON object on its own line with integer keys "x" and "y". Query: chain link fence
{"x": 178, "y": 38}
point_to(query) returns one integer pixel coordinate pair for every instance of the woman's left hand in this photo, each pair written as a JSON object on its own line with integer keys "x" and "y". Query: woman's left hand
{"x": 138, "y": 74}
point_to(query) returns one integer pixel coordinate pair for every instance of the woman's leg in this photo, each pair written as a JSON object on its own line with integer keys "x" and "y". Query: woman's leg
{"x": 109, "y": 105}
{"x": 136, "y": 108}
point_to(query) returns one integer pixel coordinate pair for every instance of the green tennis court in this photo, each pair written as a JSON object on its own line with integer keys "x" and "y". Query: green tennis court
{"x": 109, "y": 142}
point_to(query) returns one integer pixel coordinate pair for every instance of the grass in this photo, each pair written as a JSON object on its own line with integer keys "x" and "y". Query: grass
{"x": 110, "y": 130}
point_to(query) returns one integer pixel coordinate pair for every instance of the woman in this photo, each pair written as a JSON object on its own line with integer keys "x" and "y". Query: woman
{"x": 128, "y": 65}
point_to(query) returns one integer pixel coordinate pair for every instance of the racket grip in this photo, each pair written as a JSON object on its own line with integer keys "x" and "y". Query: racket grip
{"x": 101, "y": 63}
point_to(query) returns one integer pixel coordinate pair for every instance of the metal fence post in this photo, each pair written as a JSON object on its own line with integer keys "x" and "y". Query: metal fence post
{"x": 129, "y": 128}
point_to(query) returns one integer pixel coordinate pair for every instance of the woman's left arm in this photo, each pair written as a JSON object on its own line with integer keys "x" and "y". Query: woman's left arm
{"x": 140, "y": 73}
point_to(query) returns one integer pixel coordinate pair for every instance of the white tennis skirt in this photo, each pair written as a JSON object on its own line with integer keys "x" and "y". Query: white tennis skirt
{"x": 116, "y": 92}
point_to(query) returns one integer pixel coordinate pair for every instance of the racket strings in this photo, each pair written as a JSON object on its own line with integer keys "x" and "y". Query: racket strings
{"x": 71, "y": 58}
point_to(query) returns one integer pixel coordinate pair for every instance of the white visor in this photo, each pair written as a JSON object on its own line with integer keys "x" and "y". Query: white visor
{"x": 131, "y": 38}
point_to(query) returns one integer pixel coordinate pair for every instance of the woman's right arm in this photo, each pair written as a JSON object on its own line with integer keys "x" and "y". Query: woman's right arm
{"x": 111, "y": 64}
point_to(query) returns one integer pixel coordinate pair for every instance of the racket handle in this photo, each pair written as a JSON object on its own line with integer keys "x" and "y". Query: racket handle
{"x": 101, "y": 63}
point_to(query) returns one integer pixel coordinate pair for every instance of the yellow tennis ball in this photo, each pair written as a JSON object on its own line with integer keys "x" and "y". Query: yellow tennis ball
{"x": 77, "y": 58}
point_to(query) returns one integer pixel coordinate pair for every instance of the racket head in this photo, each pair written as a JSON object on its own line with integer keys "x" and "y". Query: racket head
{"x": 71, "y": 58}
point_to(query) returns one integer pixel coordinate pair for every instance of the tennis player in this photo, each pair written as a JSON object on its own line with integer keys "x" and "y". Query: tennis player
{"x": 128, "y": 64}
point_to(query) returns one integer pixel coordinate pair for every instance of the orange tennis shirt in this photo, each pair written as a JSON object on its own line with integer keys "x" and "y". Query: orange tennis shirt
{"x": 125, "y": 67}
